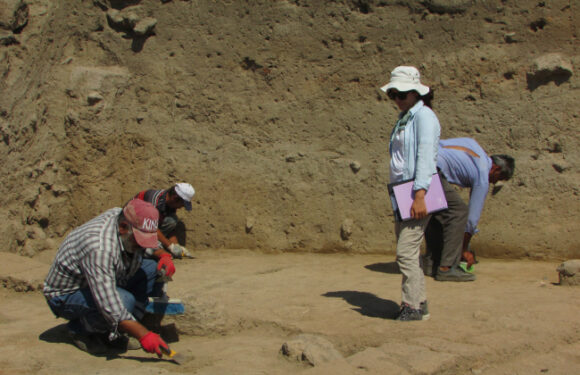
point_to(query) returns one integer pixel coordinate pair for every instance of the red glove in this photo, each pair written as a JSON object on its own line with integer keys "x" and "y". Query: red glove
{"x": 151, "y": 343}
{"x": 165, "y": 263}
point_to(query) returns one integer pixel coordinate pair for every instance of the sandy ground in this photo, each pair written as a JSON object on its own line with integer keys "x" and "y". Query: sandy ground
{"x": 514, "y": 319}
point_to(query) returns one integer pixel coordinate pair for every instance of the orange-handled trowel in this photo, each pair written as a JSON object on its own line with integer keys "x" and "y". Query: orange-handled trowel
{"x": 172, "y": 355}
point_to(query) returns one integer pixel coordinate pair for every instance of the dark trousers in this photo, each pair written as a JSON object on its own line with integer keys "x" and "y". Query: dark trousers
{"x": 445, "y": 232}
{"x": 172, "y": 226}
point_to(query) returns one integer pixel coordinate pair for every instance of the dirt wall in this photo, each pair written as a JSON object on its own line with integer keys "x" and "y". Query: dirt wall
{"x": 271, "y": 110}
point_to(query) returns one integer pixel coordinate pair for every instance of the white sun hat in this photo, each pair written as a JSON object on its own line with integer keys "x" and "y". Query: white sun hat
{"x": 185, "y": 192}
{"x": 406, "y": 78}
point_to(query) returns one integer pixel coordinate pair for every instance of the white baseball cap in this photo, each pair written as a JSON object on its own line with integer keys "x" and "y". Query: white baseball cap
{"x": 406, "y": 78}
{"x": 185, "y": 192}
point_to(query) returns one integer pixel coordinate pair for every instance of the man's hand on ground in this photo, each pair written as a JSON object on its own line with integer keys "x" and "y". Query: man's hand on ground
{"x": 179, "y": 251}
{"x": 469, "y": 258}
{"x": 151, "y": 343}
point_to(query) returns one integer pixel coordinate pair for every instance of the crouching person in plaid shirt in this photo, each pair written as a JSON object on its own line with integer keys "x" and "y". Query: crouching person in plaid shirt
{"x": 100, "y": 282}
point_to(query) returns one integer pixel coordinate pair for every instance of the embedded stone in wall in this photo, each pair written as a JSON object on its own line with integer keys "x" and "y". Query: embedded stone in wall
{"x": 92, "y": 82}
{"x": 116, "y": 20}
{"x": 250, "y": 221}
{"x": 346, "y": 229}
{"x": 8, "y": 39}
{"x": 145, "y": 26}
{"x": 551, "y": 67}
{"x": 122, "y": 20}
{"x": 130, "y": 22}
{"x": 94, "y": 97}
{"x": 448, "y": 6}
{"x": 13, "y": 15}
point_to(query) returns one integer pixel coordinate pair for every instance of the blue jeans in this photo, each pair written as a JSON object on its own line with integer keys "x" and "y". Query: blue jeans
{"x": 80, "y": 310}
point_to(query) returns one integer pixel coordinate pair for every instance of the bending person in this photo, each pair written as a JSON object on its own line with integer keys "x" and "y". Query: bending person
{"x": 462, "y": 162}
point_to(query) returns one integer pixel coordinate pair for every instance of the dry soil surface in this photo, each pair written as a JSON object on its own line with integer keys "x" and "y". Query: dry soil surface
{"x": 514, "y": 319}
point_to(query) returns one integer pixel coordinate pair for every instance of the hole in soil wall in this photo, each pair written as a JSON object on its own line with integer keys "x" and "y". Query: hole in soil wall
{"x": 538, "y": 24}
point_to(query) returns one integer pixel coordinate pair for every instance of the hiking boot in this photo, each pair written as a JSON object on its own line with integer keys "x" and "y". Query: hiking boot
{"x": 125, "y": 343}
{"x": 91, "y": 344}
{"x": 424, "y": 307}
{"x": 454, "y": 274}
{"x": 408, "y": 313}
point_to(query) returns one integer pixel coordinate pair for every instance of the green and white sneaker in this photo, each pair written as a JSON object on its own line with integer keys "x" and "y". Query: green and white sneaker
{"x": 463, "y": 266}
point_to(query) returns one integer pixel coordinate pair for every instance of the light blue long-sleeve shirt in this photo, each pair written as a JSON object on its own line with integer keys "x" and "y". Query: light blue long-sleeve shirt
{"x": 422, "y": 133}
{"x": 462, "y": 169}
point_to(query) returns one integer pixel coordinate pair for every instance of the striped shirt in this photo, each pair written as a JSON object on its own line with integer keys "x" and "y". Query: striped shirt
{"x": 158, "y": 199}
{"x": 92, "y": 256}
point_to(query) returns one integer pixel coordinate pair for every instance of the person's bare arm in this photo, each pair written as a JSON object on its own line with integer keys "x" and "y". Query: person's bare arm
{"x": 466, "y": 238}
{"x": 133, "y": 328}
{"x": 466, "y": 254}
{"x": 166, "y": 242}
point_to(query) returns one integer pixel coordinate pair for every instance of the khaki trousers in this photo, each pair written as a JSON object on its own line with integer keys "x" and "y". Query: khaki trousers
{"x": 409, "y": 238}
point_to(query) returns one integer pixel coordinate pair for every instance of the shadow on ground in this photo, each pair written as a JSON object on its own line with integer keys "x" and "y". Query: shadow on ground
{"x": 142, "y": 359}
{"x": 60, "y": 335}
{"x": 368, "y": 304}
{"x": 390, "y": 267}
{"x": 57, "y": 334}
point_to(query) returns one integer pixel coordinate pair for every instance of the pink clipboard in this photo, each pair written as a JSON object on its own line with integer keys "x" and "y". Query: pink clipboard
{"x": 402, "y": 197}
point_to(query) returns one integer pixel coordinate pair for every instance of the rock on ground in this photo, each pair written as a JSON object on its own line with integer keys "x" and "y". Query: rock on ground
{"x": 311, "y": 349}
{"x": 569, "y": 272}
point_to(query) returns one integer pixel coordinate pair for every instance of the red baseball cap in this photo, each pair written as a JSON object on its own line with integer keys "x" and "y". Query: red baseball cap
{"x": 144, "y": 218}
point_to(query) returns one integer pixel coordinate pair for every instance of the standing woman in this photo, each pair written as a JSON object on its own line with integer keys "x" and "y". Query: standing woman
{"x": 413, "y": 151}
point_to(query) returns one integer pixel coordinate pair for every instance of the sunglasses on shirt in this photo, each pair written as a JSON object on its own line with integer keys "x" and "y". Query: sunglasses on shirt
{"x": 401, "y": 95}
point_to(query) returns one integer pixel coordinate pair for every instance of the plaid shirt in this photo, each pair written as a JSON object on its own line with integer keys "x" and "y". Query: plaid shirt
{"x": 92, "y": 255}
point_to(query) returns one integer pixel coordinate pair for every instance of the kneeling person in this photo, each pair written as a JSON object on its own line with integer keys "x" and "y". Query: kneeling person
{"x": 100, "y": 282}
{"x": 171, "y": 232}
